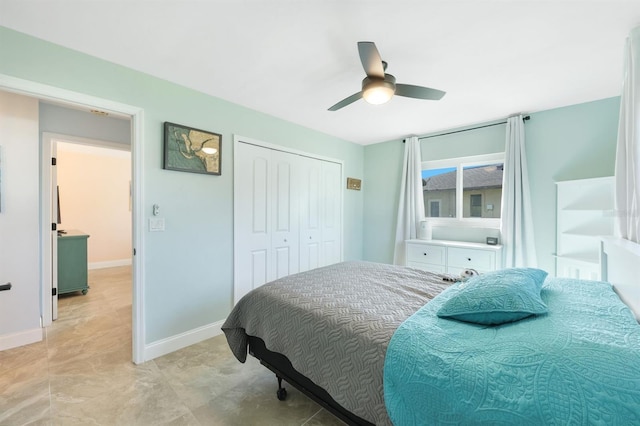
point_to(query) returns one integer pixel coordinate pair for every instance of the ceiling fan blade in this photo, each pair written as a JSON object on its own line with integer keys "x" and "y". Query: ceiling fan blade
{"x": 370, "y": 58}
{"x": 346, "y": 101}
{"x": 418, "y": 92}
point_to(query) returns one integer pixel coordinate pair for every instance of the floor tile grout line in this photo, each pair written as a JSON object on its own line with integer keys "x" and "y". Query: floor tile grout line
{"x": 310, "y": 418}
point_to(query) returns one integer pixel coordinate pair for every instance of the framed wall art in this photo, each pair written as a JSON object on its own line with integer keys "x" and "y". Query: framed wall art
{"x": 191, "y": 150}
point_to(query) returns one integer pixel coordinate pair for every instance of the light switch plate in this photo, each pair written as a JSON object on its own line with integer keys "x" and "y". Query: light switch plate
{"x": 156, "y": 224}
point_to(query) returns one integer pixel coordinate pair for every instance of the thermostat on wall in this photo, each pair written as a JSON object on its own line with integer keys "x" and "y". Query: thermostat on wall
{"x": 492, "y": 241}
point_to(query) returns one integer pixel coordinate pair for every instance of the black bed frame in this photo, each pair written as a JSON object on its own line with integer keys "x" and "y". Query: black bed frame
{"x": 283, "y": 369}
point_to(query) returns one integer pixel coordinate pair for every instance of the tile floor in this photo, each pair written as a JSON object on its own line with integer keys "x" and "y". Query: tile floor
{"x": 82, "y": 374}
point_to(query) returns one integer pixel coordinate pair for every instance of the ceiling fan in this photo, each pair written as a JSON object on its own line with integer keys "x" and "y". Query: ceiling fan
{"x": 378, "y": 87}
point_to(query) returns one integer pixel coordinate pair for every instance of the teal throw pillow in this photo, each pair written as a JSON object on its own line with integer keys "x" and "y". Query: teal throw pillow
{"x": 497, "y": 297}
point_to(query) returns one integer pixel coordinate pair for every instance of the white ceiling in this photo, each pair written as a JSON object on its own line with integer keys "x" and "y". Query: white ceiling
{"x": 294, "y": 59}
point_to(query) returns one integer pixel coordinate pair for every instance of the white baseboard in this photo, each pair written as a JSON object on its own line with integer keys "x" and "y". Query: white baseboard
{"x": 109, "y": 264}
{"x": 21, "y": 338}
{"x": 179, "y": 341}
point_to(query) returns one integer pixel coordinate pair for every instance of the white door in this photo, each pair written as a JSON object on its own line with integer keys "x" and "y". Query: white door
{"x": 285, "y": 212}
{"x": 55, "y": 219}
{"x": 331, "y": 213}
{"x": 252, "y": 215}
{"x": 310, "y": 213}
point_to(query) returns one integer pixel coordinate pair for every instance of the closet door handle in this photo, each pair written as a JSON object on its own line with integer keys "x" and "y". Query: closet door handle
{"x": 5, "y": 287}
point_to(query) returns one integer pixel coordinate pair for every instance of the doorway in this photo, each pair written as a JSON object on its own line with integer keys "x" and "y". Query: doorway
{"x": 136, "y": 115}
{"x": 91, "y": 189}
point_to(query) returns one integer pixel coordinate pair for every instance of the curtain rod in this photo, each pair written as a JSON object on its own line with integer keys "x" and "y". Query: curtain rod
{"x": 525, "y": 118}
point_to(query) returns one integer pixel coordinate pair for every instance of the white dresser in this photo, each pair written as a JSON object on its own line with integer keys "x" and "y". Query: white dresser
{"x": 452, "y": 257}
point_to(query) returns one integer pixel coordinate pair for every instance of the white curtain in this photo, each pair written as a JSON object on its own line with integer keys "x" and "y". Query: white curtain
{"x": 628, "y": 150}
{"x": 517, "y": 225}
{"x": 411, "y": 205}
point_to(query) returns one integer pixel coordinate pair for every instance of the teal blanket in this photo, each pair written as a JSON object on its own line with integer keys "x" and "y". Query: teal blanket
{"x": 577, "y": 365}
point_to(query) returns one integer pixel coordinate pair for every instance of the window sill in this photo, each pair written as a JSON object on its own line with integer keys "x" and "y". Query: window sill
{"x": 464, "y": 223}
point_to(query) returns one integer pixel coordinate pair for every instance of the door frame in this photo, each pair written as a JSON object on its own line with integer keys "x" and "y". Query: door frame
{"x": 136, "y": 114}
{"x": 49, "y": 141}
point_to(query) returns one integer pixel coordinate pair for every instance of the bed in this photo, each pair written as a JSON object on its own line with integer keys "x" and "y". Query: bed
{"x": 366, "y": 342}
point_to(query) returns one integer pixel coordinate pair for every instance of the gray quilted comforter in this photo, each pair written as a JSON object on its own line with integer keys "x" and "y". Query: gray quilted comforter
{"x": 334, "y": 324}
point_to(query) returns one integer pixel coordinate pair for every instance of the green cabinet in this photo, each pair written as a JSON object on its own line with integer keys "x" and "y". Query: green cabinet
{"x": 72, "y": 262}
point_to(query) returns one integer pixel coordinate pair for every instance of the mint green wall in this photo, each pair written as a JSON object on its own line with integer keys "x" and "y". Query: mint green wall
{"x": 381, "y": 187}
{"x": 573, "y": 142}
{"x": 486, "y": 140}
{"x": 189, "y": 267}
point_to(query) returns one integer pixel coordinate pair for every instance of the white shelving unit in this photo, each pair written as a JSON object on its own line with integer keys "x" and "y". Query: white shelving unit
{"x": 585, "y": 214}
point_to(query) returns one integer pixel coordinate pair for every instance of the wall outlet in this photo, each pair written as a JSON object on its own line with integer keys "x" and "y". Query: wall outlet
{"x": 492, "y": 241}
{"x": 156, "y": 224}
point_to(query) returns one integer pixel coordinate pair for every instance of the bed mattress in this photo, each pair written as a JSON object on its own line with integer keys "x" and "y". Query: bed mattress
{"x": 334, "y": 325}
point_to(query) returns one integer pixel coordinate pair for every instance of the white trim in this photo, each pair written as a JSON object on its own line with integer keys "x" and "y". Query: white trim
{"x": 88, "y": 141}
{"x": 251, "y": 141}
{"x": 46, "y": 250}
{"x": 21, "y": 338}
{"x": 136, "y": 114}
{"x": 109, "y": 263}
{"x": 138, "y": 200}
{"x": 473, "y": 160}
{"x": 467, "y": 222}
{"x": 63, "y": 96}
{"x": 182, "y": 340}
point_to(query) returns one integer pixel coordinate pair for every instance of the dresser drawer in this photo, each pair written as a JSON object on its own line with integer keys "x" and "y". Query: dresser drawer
{"x": 424, "y": 253}
{"x": 481, "y": 260}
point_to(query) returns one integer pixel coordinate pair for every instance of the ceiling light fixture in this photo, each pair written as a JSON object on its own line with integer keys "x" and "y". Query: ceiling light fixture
{"x": 377, "y": 91}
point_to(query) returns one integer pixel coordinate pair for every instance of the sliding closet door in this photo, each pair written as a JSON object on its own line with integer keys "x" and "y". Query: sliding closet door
{"x": 310, "y": 213}
{"x": 331, "y": 213}
{"x": 285, "y": 214}
{"x": 252, "y": 214}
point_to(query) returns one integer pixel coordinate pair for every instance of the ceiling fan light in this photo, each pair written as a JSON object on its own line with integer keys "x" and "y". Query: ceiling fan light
{"x": 378, "y": 91}
{"x": 377, "y": 95}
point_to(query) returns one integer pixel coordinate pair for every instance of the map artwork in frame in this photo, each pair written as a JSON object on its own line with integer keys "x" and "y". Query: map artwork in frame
{"x": 191, "y": 150}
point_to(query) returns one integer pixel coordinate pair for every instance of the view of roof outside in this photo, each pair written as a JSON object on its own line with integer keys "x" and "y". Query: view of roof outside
{"x": 482, "y": 191}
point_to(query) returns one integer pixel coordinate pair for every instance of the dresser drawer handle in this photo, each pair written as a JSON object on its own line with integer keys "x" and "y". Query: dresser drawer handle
{"x": 424, "y": 254}
{"x": 469, "y": 259}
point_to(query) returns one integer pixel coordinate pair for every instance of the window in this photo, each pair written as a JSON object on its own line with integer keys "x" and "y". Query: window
{"x": 466, "y": 189}
{"x": 475, "y": 206}
{"x": 434, "y": 208}
{"x": 439, "y": 186}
